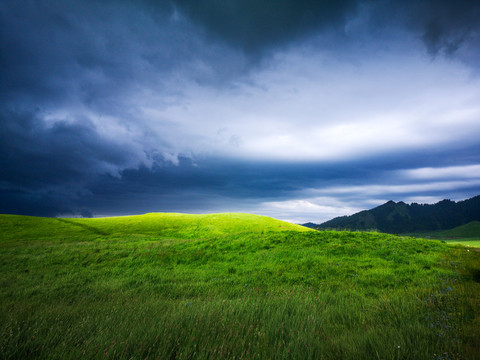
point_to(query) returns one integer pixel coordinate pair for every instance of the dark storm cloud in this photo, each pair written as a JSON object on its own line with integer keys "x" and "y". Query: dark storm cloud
{"x": 36, "y": 203}
{"x": 57, "y": 50}
{"x": 45, "y": 168}
{"x": 255, "y": 24}
{"x": 36, "y": 155}
{"x": 444, "y": 25}
{"x": 75, "y": 77}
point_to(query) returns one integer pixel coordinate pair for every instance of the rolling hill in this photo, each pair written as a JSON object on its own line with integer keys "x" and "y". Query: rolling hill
{"x": 467, "y": 231}
{"x": 468, "y": 234}
{"x": 153, "y": 224}
{"x": 399, "y": 217}
{"x": 224, "y": 286}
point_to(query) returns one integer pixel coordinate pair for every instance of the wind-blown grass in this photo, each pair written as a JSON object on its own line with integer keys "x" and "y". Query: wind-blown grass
{"x": 230, "y": 286}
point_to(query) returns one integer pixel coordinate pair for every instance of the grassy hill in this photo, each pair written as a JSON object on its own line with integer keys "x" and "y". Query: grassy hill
{"x": 468, "y": 234}
{"x": 467, "y": 231}
{"x": 177, "y": 286}
{"x": 154, "y": 224}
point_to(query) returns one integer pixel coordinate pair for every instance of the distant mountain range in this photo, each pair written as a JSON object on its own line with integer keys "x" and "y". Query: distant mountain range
{"x": 399, "y": 217}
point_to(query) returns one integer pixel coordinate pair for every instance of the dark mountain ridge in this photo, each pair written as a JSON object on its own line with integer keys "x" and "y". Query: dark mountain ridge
{"x": 399, "y": 217}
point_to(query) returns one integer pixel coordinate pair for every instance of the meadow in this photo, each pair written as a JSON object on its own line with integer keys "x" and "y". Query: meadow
{"x": 230, "y": 286}
{"x": 467, "y": 235}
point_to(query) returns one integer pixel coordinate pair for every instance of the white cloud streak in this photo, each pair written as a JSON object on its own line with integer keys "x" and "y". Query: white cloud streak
{"x": 450, "y": 172}
{"x": 374, "y": 190}
{"x": 300, "y": 211}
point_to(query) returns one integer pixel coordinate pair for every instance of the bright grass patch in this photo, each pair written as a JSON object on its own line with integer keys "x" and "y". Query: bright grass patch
{"x": 467, "y": 243}
{"x": 176, "y": 286}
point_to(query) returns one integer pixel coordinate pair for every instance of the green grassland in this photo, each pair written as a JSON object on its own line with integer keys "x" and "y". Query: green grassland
{"x": 467, "y": 235}
{"x": 467, "y": 242}
{"x": 467, "y": 231}
{"x": 225, "y": 286}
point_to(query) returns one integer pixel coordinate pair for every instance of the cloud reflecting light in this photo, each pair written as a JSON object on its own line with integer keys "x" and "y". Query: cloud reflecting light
{"x": 114, "y": 108}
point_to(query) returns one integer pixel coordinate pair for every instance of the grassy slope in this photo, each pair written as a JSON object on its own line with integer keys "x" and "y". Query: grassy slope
{"x": 229, "y": 285}
{"x": 468, "y": 234}
{"x": 175, "y": 225}
{"x": 467, "y": 231}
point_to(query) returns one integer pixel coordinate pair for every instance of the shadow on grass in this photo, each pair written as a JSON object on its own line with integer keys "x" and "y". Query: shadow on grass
{"x": 84, "y": 226}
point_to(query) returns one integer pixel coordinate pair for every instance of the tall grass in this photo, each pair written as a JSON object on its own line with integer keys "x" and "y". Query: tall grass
{"x": 252, "y": 288}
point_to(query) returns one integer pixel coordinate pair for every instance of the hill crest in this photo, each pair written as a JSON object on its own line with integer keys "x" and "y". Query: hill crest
{"x": 172, "y": 225}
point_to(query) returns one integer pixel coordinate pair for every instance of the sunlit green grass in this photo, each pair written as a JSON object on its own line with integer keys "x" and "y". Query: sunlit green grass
{"x": 462, "y": 234}
{"x": 473, "y": 243}
{"x": 215, "y": 286}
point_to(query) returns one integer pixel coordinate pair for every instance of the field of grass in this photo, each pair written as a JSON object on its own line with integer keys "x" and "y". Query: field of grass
{"x": 467, "y": 242}
{"x": 467, "y": 232}
{"x": 225, "y": 286}
{"x": 467, "y": 235}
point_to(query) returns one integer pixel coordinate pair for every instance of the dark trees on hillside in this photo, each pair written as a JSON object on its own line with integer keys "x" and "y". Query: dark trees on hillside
{"x": 393, "y": 217}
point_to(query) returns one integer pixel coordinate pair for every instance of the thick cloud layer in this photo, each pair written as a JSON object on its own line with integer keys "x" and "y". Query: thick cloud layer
{"x": 297, "y": 109}
{"x": 254, "y": 25}
{"x": 447, "y": 25}
{"x": 444, "y": 25}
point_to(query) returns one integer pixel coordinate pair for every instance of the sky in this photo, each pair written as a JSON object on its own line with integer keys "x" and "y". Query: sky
{"x": 300, "y": 110}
